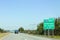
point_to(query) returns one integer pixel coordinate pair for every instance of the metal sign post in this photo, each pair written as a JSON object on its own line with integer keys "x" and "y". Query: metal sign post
{"x": 49, "y": 24}
{"x": 48, "y": 33}
{"x": 45, "y": 32}
{"x": 52, "y": 32}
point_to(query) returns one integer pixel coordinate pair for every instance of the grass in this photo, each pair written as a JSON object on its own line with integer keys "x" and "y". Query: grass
{"x": 55, "y": 37}
{"x": 3, "y": 34}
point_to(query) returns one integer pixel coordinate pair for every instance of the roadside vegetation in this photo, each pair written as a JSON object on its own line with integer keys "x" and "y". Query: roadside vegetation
{"x": 40, "y": 30}
{"x": 2, "y": 33}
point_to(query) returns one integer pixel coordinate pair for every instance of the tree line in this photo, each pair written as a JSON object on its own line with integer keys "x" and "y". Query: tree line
{"x": 2, "y": 30}
{"x": 40, "y": 30}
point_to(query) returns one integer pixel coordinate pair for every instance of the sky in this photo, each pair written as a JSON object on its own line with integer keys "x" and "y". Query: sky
{"x": 27, "y": 13}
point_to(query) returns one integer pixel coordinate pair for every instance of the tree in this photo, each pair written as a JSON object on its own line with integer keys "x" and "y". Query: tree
{"x": 56, "y": 30}
{"x": 1, "y": 30}
{"x": 21, "y": 29}
{"x": 57, "y": 26}
{"x": 40, "y": 28}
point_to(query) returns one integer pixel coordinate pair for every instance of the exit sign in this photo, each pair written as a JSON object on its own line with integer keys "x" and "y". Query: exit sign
{"x": 49, "y": 23}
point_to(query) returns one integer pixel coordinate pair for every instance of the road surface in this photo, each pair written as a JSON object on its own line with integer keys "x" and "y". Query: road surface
{"x": 22, "y": 36}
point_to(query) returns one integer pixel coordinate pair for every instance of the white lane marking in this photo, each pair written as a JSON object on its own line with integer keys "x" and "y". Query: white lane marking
{"x": 25, "y": 39}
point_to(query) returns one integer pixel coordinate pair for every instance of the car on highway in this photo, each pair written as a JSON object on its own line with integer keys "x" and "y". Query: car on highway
{"x": 16, "y": 31}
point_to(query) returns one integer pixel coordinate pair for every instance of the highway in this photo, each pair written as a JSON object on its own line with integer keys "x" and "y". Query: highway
{"x": 22, "y": 36}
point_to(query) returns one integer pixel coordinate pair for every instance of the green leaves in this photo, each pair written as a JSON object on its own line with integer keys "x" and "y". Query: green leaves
{"x": 56, "y": 30}
{"x": 21, "y": 29}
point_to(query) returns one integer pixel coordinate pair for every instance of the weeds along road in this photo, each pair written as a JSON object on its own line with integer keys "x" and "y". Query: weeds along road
{"x": 22, "y": 36}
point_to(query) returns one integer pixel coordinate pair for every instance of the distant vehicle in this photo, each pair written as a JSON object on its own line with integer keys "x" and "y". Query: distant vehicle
{"x": 16, "y": 31}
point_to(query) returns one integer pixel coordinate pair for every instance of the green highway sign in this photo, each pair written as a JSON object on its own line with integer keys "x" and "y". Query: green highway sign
{"x": 49, "y": 23}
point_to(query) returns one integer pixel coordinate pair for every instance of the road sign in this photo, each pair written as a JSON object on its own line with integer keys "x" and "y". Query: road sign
{"x": 49, "y": 23}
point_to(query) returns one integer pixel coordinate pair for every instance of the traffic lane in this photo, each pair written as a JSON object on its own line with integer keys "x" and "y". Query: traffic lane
{"x": 22, "y": 36}
{"x": 31, "y": 37}
{"x": 19, "y": 37}
{"x": 11, "y": 36}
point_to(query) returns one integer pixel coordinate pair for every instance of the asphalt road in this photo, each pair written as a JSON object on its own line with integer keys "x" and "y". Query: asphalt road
{"x": 22, "y": 36}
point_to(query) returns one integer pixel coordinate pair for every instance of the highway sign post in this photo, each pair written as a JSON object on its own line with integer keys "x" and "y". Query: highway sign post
{"x": 49, "y": 24}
